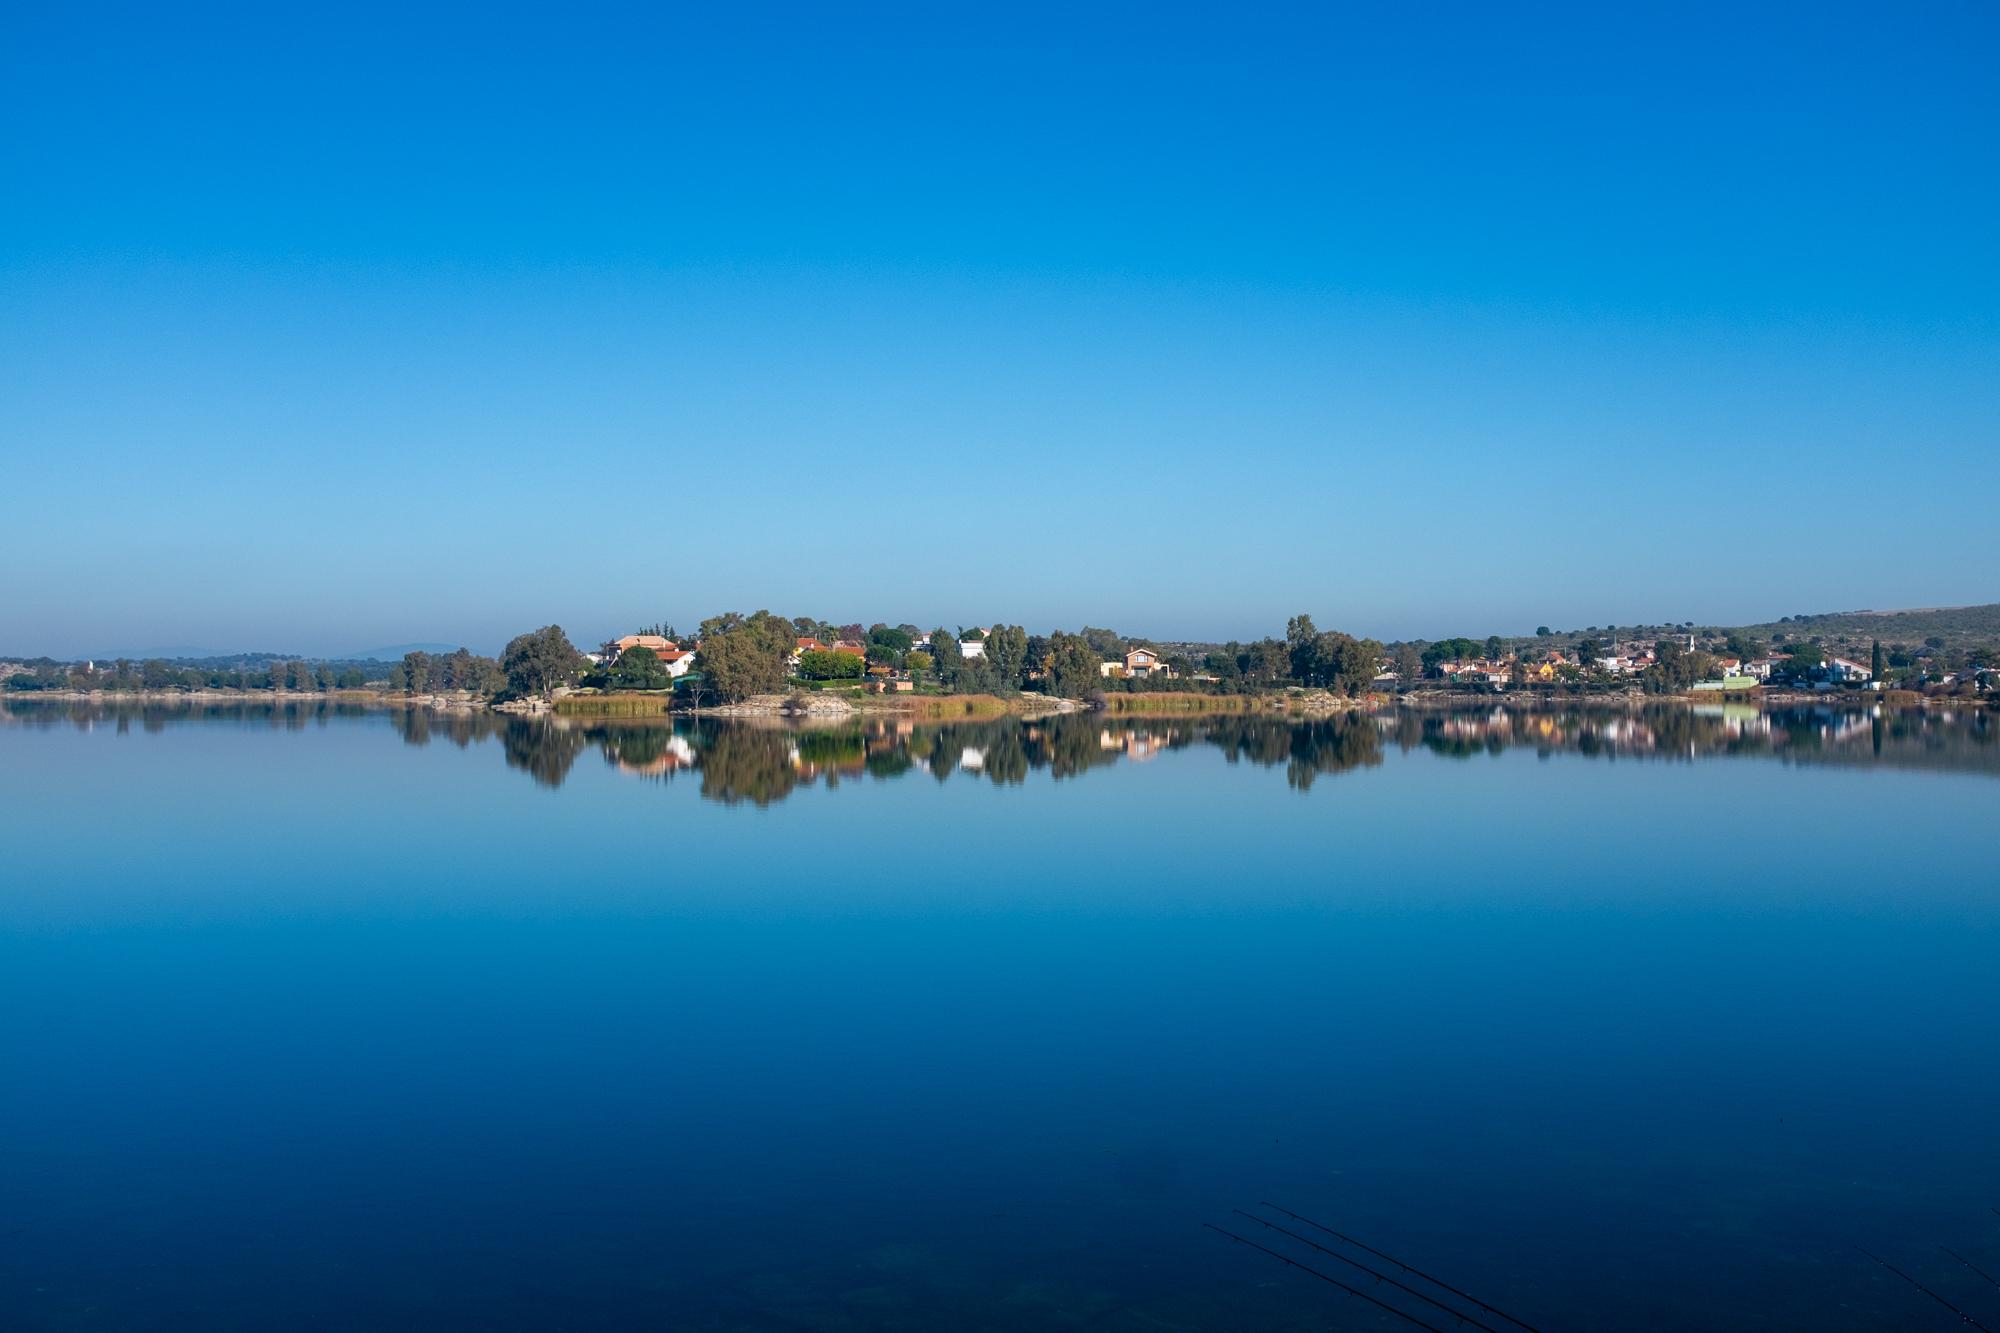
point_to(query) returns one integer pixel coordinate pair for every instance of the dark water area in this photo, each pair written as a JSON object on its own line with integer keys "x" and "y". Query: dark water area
{"x": 340, "y": 1019}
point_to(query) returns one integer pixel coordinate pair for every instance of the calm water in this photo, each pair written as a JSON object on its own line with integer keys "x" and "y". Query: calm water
{"x": 357, "y": 1021}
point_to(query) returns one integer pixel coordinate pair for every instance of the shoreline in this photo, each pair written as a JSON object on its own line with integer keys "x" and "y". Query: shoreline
{"x": 949, "y": 707}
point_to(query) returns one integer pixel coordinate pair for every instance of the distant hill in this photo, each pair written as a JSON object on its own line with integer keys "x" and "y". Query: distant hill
{"x": 1954, "y": 627}
{"x": 394, "y": 653}
{"x": 1958, "y": 626}
{"x": 186, "y": 656}
{"x": 179, "y": 652}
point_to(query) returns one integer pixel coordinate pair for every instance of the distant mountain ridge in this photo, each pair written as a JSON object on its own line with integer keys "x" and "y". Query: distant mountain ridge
{"x": 1956, "y": 625}
{"x": 395, "y": 652}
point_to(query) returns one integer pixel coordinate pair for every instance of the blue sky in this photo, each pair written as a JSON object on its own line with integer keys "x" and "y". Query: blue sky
{"x": 322, "y": 330}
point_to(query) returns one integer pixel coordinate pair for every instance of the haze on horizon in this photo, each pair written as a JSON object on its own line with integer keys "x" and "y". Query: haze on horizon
{"x": 380, "y": 327}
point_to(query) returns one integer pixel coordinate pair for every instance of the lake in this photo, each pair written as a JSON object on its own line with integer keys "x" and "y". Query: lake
{"x": 342, "y": 1019}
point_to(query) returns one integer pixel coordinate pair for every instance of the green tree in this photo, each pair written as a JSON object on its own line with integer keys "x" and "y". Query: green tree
{"x": 745, "y": 655}
{"x": 638, "y": 668}
{"x": 1302, "y": 648}
{"x": 1351, "y": 663}
{"x": 1743, "y": 647}
{"x": 1073, "y": 666}
{"x": 416, "y": 670}
{"x": 1264, "y": 662}
{"x": 541, "y": 661}
{"x": 458, "y": 669}
{"x": 1106, "y": 643}
{"x": 1496, "y": 648}
{"x": 1035, "y": 658}
{"x": 946, "y": 657}
{"x": 1007, "y": 652}
{"x": 825, "y": 664}
{"x": 1449, "y": 650}
{"x": 1875, "y": 663}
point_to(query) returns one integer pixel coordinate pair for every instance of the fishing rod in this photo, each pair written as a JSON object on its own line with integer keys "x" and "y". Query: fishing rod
{"x": 1963, "y": 1317}
{"x": 1969, "y": 1264}
{"x": 1414, "y": 1272}
{"x": 1324, "y": 1277}
{"x": 1379, "y": 1277}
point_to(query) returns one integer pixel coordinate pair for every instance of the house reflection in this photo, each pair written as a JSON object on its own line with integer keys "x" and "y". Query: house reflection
{"x": 760, "y": 763}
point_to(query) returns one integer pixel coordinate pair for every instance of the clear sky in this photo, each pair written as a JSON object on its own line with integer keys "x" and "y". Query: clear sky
{"x": 322, "y": 329}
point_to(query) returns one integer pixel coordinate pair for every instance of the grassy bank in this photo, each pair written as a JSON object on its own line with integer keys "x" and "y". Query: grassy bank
{"x": 1173, "y": 704}
{"x": 615, "y": 705}
{"x": 938, "y": 707}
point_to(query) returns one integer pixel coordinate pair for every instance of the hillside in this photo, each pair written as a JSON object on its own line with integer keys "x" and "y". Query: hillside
{"x": 1957, "y": 626}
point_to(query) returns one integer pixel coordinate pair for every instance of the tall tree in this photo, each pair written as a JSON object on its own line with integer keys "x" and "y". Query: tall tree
{"x": 1073, "y": 666}
{"x": 416, "y": 670}
{"x": 1302, "y": 648}
{"x": 746, "y": 655}
{"x": 540, "y": 661}
{"x": 946, "y": 656}
{"x": 1007, "y": 651}
{"x": 1264, "y": 662}
{"x": 458, "y": 670}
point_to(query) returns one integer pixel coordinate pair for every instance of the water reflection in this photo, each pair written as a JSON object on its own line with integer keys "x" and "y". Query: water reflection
{"x": 762, "y": 763}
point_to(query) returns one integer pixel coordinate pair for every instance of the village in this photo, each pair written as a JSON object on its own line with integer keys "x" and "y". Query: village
{"x": 732, "y": 659}
{"x": 812, "y": 658}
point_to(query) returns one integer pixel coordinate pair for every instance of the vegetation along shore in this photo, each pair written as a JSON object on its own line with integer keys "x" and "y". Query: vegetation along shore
{"x": 763, "y": 664}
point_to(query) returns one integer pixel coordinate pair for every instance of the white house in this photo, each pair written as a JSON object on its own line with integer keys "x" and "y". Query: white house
{"x": 1843, "y": 670}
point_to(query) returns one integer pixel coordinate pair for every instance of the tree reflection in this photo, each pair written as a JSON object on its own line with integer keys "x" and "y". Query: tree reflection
{"x": 761, "y": 763}
{"x": 543, "y": 748}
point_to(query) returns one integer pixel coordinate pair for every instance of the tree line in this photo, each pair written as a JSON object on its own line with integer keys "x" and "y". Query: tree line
{"x": 157, "y": 675}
